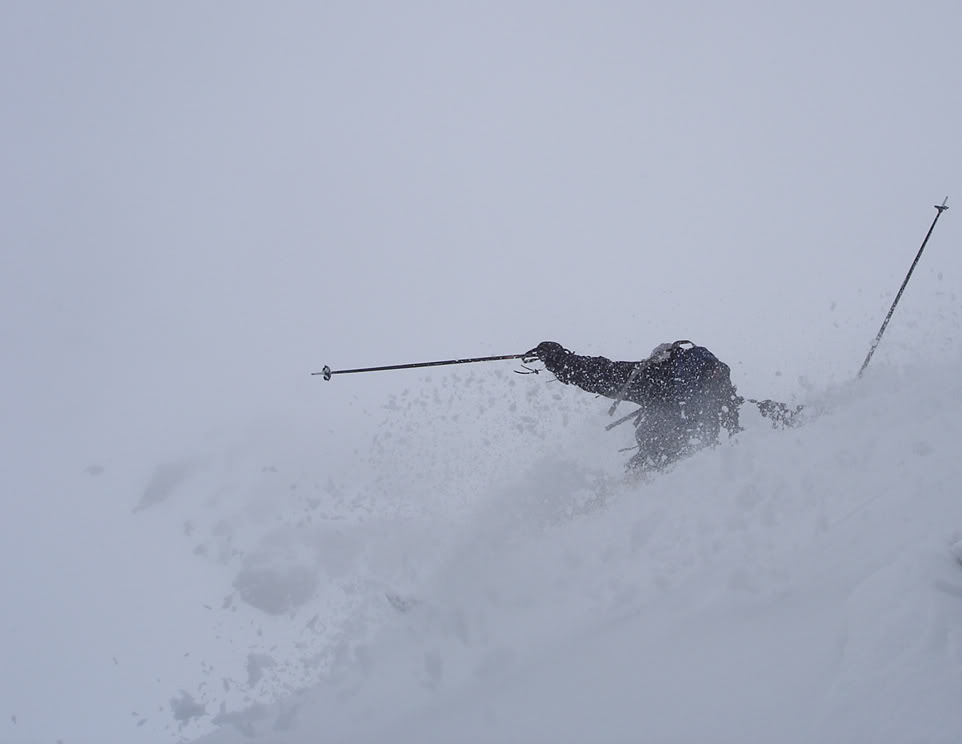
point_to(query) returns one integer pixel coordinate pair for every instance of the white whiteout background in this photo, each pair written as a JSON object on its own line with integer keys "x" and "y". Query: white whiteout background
{"x": 202, "y": 203}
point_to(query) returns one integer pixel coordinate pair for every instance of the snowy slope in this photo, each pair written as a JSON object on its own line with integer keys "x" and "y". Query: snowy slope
{"x": 803, "y": 585}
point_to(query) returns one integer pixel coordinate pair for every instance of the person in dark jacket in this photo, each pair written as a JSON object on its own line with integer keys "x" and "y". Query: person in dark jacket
{"x": 685, "y": 393}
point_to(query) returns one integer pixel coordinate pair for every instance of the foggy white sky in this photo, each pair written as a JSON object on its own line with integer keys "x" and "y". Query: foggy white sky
{"x": 203, "y": 202}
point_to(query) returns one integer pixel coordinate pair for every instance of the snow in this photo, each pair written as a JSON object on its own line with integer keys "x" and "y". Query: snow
{"x": 481, "y": 570}
{"x": 800, "y": 585}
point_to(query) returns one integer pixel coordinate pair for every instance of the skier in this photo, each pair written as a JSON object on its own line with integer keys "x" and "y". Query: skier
{"x": 685, "y": 393}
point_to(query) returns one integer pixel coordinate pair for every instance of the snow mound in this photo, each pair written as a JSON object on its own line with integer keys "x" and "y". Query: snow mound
{"x": 792, "y": 586}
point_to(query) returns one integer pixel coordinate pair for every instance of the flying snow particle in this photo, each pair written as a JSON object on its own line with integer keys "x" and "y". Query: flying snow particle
{"x": 243, "y": 720}
{"x": 164, "y": 481}
{"x": 185, "y": 708}
{"x": 275, "y": 589}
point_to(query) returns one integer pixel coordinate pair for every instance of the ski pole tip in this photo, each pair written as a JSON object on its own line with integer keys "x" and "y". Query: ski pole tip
{"x": 326, "y": 372}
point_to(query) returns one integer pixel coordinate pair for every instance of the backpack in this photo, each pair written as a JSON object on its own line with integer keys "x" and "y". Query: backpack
{"x": 695, "y": 362}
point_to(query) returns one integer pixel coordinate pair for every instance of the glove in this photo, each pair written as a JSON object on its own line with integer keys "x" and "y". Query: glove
{"x": 547, "y": 352}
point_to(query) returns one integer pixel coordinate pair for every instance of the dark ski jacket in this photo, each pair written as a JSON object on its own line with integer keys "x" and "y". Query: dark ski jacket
{"x": 685, "y": 393}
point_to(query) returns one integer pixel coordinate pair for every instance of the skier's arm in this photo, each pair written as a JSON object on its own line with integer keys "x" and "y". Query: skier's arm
{"x": 781, "y": 415}
{"x": 592, "y": 374}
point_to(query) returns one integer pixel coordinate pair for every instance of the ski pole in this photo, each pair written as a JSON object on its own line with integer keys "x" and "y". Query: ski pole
{"x": 908, "y": 276}
{"x": 327, "y": 372}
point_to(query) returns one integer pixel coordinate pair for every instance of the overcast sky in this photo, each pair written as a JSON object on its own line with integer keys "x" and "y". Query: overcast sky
{"x": 203, "y": 202}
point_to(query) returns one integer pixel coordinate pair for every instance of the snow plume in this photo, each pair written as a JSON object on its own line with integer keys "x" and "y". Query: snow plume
{"x": 792, "y": 586}
{"x": 482, "y": 570}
